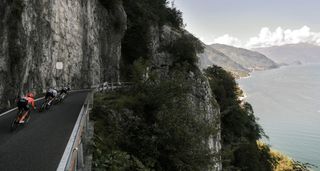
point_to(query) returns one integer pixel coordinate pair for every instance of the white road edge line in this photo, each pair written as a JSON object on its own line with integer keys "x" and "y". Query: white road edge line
{"x": 8, "y": 111}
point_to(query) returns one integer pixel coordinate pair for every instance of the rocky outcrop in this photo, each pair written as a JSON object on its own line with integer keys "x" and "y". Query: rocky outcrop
{"x": 200, "y": 97}
{"x": 36, "y": 34}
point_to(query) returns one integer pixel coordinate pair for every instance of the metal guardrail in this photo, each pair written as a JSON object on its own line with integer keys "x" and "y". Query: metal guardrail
{"x": 73, "y": 156}
{"x": 107, "y": 86}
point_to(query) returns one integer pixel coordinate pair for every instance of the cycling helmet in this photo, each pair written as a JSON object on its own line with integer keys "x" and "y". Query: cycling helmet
{"x": 31, "y": 95}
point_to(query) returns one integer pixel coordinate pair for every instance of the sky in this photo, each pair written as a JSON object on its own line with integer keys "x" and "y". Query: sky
{"x": 252, "y": 23}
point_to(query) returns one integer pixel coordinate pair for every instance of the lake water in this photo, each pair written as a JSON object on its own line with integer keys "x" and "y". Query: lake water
{"x": 287, "y": 101}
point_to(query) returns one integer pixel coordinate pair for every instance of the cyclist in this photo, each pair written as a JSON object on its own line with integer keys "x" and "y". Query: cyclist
{"x": 51, "y": 95}
{"x": 62, "y": 93}
{"x": 24, "y": 104}
{"x": 64, "y": 90}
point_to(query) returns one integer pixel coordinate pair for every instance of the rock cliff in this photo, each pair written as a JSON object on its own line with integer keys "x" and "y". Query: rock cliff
{"x": 200, "y": 97}
{"x": 36, "y": 34}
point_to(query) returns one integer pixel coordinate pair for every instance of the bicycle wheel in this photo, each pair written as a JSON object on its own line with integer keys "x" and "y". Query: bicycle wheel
{"x": 14, "y": 124}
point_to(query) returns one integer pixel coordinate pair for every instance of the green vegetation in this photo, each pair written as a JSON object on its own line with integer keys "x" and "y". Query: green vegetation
{"x": 142, "y": 15}
{"x": 156, "y": 12}
{"x": 151, "y": 127}
{"x": 240, "y": 132}
{"x": 239, "y": 128}
{"x": 282, "y": 162}
{"x": 185, "y": 49}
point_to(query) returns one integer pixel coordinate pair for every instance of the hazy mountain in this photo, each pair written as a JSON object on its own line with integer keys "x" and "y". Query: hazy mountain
{"x": 293, "y": 53}
{"x": 237, "y": 60}
{"x": 248, "y": 59}
{"x": 212, "y": 56}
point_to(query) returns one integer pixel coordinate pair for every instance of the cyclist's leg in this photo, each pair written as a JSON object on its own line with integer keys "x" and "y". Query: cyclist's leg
{"x": 25, "y": 113}
{"x": 21, "y": 107}
{"x": 51, "y": 98}
{"x": 50, "y": 101}
{"x": 19, "y": 114}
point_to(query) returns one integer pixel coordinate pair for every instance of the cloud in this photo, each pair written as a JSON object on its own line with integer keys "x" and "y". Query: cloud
{"x": 278, "y": 37}
{"x": 228, "y": 40}
{"x": 267, "y": 38}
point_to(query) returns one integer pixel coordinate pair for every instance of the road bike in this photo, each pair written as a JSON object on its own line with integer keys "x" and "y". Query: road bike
{"x": 45, "y": 105}
{"x": 61, "y": 97}
{"x": 18, "y": 119}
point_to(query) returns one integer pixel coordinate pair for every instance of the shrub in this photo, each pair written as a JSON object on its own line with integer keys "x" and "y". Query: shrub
{"x": 174, "y": 17}
{"x": 239, "y": 128}
{"x": 279, "y": 161}
{"x": 151, "y": 125}
{"x": 141, "y": 15}
{"x": 185, "y": 49}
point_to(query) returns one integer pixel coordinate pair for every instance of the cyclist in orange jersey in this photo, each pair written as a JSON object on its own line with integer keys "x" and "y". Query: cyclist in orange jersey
{"x": 25, "y": 103}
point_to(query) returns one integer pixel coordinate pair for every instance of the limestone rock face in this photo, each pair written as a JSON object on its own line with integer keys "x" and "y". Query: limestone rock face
{"x": 200, "y": 98}
{"x": 36, "y": 34}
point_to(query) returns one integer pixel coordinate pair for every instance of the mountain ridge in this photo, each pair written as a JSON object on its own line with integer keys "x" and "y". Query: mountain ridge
{"x": 238, "y": 61}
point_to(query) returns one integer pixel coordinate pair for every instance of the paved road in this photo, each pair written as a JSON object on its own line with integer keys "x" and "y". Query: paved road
{"x": 39, "y": 145}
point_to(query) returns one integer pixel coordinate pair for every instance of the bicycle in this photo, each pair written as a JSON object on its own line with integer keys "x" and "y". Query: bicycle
{"x": 61, "y": 97}
{"x": 18, "y": 119}
{"x": 45, "y": 105}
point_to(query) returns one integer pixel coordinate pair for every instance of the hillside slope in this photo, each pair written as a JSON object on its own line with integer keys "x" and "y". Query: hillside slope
{"x": 248, "y": 59}
{"x": 236, "y": 60}
{"x": 211, "y": 56}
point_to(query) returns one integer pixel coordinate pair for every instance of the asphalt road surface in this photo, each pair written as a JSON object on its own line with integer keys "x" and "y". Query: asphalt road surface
{"x": 39, "y": 144}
